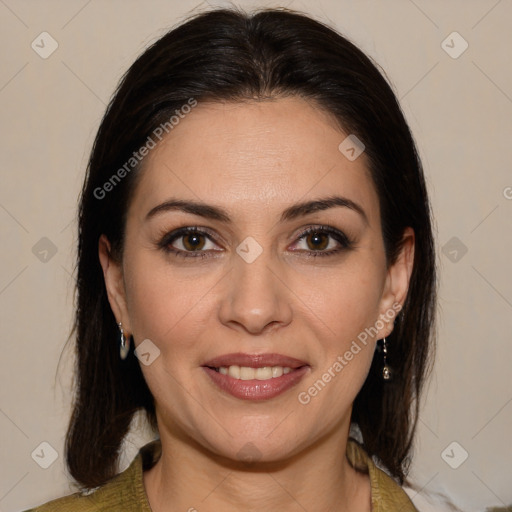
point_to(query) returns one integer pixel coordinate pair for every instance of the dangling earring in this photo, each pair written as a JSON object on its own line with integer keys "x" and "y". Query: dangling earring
{"x": 124, "y": 343}
{"x": 386, "y": 370}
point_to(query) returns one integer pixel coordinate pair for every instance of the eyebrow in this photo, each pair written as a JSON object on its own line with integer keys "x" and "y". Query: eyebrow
{"x": 292, "y": 212}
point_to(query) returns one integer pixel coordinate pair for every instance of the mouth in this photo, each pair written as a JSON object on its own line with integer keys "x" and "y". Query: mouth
{"x": 255, "y": 377}
{"x": 248, "y": 373}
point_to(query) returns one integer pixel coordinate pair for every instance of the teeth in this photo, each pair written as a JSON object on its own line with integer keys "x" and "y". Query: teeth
{"x": 234, "y": 371}
{"x": 247, "y": 373}
{"x": 277, "y": 371}
{"x": 264, "y": 373}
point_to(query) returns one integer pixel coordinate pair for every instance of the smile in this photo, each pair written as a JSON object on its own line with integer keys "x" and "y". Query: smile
{"x": 255, "y": 376}
{"x": 248, "y": 373}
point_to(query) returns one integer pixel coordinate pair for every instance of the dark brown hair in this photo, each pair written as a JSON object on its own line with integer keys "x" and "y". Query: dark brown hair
{"x": 229, "y": 55}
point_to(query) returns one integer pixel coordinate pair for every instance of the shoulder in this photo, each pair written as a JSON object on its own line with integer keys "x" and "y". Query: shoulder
{"x": 77, "y": 502}
{"x": 387, "y": 495}
{"x": 124, "y": 492}
{"x": 108, "y": 497}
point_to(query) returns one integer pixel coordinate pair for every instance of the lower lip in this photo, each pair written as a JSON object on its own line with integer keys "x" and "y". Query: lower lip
{"x": 256, "y": 389}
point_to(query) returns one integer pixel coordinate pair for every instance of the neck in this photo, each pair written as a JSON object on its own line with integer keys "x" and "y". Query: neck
{"x": 318, "y": 479}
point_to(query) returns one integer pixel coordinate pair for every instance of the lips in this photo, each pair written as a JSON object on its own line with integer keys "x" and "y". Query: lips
{"x": 235, "y": 374}
{"x": 255, "y": 361}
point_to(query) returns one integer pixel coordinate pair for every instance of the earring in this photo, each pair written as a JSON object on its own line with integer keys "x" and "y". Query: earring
{"x": 124, "y": 343}
{"x": 386, "y": 370}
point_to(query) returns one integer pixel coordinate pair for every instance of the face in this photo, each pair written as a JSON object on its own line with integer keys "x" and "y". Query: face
{"x": 256, "y": 281}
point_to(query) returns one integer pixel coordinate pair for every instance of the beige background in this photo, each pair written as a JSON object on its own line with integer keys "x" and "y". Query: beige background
{"x": 460, "y": 111}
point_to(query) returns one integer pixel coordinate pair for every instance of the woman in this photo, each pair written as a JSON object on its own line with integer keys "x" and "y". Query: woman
{"x": 256, "y": 273}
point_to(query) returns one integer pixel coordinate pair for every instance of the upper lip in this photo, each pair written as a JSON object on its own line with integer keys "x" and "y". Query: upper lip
{"x": 255, "y": 360}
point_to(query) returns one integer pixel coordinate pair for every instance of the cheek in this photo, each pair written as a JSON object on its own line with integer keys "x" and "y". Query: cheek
{"x": 346, "y": 299}
{"x": 344, "y": 309}
{"x": 343, "y": 313}
{"x": 163, "y": 305}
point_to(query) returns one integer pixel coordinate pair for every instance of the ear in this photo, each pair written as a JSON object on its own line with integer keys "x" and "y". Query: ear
{"x": 114, "y": 283}
{"x": 397, "y": 283}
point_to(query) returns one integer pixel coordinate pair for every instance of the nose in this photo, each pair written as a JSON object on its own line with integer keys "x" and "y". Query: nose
{"x": 256, "y": 298}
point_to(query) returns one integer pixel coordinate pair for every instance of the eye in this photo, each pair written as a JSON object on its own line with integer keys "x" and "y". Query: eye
{"x": 194, "y": 242}
{"x": 323, "y": 241}
{"x": 190, "y": 241}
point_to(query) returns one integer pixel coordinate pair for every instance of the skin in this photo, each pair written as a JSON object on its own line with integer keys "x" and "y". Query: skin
{"x": 254, "y": 159}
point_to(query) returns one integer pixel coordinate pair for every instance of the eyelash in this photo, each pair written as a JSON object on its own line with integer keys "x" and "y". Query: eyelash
{"x": 337, "y": 235}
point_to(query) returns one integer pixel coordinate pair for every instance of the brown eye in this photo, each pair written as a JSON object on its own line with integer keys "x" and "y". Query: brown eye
{"x": 323, "y": 241}
{"x": 189, "y": 242}
{"x": 193, "y": 241}
{"x": 317, "y": 240}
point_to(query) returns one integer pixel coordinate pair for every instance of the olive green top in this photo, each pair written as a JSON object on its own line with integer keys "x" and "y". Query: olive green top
{"x": 126, "y": 493}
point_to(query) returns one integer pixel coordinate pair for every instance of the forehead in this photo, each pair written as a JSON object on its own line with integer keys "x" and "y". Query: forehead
{"x": 254, "y": 154}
